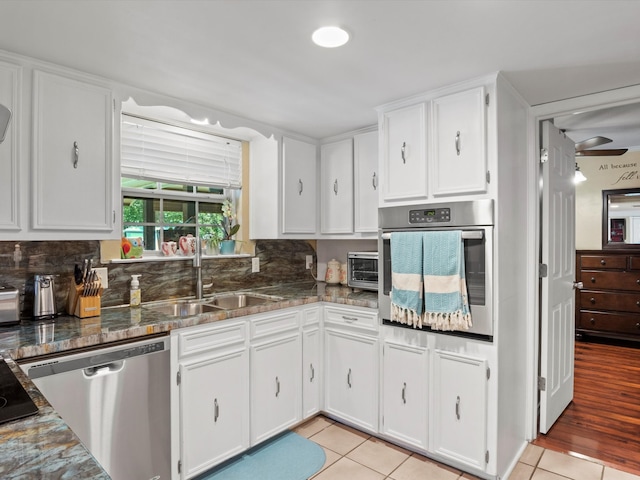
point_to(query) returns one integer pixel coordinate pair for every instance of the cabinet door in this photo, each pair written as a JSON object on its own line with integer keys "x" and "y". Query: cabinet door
{"x": 9, "y": 160}
{"x": 311, "y": 372}
{"x": 404, "y": 393}
{"x": 275, "y": 387}
{"x": 72, "y": 155}
{"x": 459, "y": 408}
{"x": 351, "y": 378}
{"x": 299, "y": 202}
{"x": 404, "y": 158}
{"x": 365, "y": 164}
{"x": 460, "y": 159}
{"x": 336, "y": 181}
{"x": 214, "y": 405}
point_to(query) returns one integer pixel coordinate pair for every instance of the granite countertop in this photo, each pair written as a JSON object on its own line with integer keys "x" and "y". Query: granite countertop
{"x": 43, "y": 446}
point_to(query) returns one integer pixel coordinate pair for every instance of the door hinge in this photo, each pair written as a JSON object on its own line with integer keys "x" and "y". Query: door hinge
{"x": 542, "y": 384}
{"x": 486, "y": 99}
{"x": 488, "y": 176}
{"x": 544, "y": 155}
{"x": 179, "y": 466}
{"x": 178, "y": 378}
{"x": 543, "y": 270}
{"x": 488, "y": 373}
{"x": 486, "y": 457}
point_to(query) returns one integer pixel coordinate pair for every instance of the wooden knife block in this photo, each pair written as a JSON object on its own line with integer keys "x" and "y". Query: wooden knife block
{"x": 83, "y": 307}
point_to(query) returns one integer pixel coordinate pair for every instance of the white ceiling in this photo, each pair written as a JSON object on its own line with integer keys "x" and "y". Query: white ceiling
{"x": 254, "y": 58}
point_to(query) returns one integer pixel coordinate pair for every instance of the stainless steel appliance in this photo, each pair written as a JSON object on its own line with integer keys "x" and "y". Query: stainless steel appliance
{"x": 9, "y": 305}
{"x": 475, "y": 219}
{"x": 44, "y": 297}
{"x": 362, "y": 270}
{"x": 116, "y": 399}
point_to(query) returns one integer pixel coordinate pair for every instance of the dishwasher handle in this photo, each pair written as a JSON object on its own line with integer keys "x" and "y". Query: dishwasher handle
{"x": 102, "y": 370}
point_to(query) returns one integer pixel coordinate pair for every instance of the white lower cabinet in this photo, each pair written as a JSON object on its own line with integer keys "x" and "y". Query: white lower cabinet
{"x": 459, "y": 409}
{"x": 405, "y": 378}
{"x": 275, "y": 386}
{"x": 311, "y": 362}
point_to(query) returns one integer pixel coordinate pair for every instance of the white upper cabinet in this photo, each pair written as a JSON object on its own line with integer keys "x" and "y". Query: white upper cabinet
{"x": 72, "y": 155}
{"x": 9, "y": 149}
{"x": 336, "y": 181}
{"x": 459, "y": 143}
{"x": 366, "y": 182}
{"x": 404, "y": 155}
{"x": 299, "y": 201}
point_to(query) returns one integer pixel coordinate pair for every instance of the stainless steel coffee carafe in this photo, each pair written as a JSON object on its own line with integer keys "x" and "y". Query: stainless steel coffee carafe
{"x": 44, "y": 301}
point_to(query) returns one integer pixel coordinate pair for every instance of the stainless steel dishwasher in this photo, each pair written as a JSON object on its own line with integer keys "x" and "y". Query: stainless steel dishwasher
{"x": 116, "y": 399}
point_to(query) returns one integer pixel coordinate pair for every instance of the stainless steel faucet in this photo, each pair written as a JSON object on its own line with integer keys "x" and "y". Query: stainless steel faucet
{"x": 197, "y": 264}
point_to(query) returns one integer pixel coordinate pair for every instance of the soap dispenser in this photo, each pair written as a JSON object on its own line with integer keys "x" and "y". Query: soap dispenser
{"x": 134, "y": 292}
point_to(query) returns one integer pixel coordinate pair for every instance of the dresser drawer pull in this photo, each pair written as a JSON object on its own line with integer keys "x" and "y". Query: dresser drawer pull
{"x": 638, "y": 304}
{"x": 592, "y": 321}
{"x": 638, "y": 326}
{"x": 638, "y": 281}
{"x": 349, "y": 319}
{"x": 593, "y": 300}
{"x": 593, "y": 279}
{"x": 603, "y": 262}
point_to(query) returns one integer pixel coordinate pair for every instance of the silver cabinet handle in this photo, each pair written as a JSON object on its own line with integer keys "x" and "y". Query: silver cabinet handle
{"x": 313, "y": 373}
{"x": 300, "y": 186}
{"x": 374, "y": 181}
{"x": 402, "y": 150}
{"x": 277, "y": 386}
{"x": 458, "y": 408}
{"x": 216, "y": 410}
{"x": 335, "y": 186}
{"x": 404, "y": 391}
{"x": 349, "y": 378}
{"x": 458, "y": 142}
{"x": 76, "y": 154}
{"x": 349, "y": 319}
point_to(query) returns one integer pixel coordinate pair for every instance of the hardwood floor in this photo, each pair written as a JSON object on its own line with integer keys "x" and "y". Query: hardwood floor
{"x": 603, "y": 420}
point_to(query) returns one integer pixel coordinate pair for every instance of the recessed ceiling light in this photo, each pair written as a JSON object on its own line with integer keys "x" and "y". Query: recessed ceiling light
{"x": 330, "y": 37}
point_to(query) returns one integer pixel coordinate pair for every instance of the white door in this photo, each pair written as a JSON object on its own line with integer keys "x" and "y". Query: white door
{"x": 557, "y": 295}
{"x": 365, "y": 170}
{"x": 336, "y": 181}
{"x": 299, "y": 186}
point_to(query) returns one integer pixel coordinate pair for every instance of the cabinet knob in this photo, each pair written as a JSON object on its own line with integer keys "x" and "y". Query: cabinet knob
{"x": 349, "y": 378}
{"x": 592, "y": 321}
{"x": 593, "y": 300}
{"x": 300, "y": 186}
{"x": 638, "y": 326}
{"x": 458, "y": 408}
{"x": 404, "y": 391}
{"x": 638, "y": 281}
{"x": 402, "y": 150}
{"x": 374, "y": 181}
{"x": 76, "y": 154}
{"x": 638, "y": 303}
{"x": 603, "y": 262}
{"x": 216, "y": 410}
{"x": 335, "y": 186}
{"x": 458, "y": 143}
{"x": 593, "y": 279}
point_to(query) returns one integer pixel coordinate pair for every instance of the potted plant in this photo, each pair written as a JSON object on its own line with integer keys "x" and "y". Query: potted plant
{"x": 229, "y": 228}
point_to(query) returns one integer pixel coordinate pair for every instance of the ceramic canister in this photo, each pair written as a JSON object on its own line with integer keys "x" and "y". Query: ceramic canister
{"x": 333, "y": 272}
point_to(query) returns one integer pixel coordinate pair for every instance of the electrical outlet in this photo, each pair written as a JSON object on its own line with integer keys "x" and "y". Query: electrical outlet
{"x": 309, "y": 262}
{"x": 255, "y": 264}
{"x": 103, "y": 273}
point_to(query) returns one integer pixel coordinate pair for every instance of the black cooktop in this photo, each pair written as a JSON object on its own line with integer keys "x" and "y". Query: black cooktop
{"x": 15, "y": 402}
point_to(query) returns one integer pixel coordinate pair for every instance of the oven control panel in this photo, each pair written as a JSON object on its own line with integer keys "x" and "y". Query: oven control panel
{"x": 430, "y": 215}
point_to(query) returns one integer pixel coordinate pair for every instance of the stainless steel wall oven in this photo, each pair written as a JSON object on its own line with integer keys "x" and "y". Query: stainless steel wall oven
{"x": 476, "y": 220}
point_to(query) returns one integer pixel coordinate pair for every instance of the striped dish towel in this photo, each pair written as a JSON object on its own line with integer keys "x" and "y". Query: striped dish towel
{"x": 406, "y": 278}
{"x": 446, "y": 302}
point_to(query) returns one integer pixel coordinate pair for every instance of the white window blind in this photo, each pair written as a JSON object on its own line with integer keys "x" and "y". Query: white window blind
{"x": 165, "y": 153}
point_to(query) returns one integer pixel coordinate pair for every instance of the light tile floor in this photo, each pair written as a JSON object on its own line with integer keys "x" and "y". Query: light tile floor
{"x": 354, "y": 455}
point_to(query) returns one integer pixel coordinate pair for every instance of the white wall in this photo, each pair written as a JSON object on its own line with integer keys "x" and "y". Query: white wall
{"x": 603, "y": 173}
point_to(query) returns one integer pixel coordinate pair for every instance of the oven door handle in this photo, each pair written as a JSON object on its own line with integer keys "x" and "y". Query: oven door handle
{"x": 466, "y": 235}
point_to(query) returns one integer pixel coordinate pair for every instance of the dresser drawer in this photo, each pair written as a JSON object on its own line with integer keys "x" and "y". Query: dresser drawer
{"x": 621, "y": 302}
{"x": 610, "y": 280}
{"x": 605, "y": 261}
{"x": 609, "y": 322}
{"x": 634, "y": 262}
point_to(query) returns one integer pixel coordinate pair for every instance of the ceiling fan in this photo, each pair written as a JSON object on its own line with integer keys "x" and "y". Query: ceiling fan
{"x": 583, "y": 148}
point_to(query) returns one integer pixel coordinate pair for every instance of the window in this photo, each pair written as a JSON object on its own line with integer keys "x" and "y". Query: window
{"x": 174, "y": 181}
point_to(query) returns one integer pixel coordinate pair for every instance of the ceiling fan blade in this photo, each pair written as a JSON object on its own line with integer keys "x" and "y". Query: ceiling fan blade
{"x": 602, "y": 153}
{"x": 592, "y": 142}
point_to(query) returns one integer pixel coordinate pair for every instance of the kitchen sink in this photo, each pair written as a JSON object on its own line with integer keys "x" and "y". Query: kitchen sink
{"x": 183, "y": 308}
{"x": 240, "y": 300}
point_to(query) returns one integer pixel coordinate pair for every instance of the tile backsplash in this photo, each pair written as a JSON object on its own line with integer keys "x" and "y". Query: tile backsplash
{"x": 281, "y": 261}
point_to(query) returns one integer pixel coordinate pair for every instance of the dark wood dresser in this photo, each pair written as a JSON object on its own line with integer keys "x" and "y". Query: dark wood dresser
{"x": 608, "y": 305}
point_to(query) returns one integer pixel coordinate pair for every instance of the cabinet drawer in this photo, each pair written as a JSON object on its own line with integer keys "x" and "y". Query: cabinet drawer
{"x": 610, "y": 322}
{"x": 264, "y": 325}
{"x": 205, "y": 338}
{"x": 622, "y": 302}
{"x": 611, "y": 280}
{"x": 605, "y": 261}
{"x": 351, "y": 317}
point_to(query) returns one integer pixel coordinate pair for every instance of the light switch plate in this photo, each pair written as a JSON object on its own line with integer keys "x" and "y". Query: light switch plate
{"x": 309, "y": 262}
{"x": 255, "y": 264}
{"x": 103, "y": 273}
